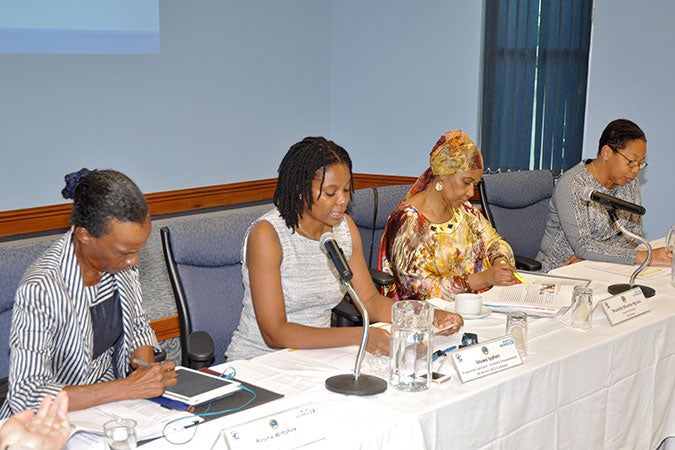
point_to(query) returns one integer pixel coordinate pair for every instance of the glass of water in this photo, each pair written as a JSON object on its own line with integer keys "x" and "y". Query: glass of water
{"x": 411, "y": 342}
{"x": 516, "y": 326}
{"x": 582, "y": 308}
{"x": 120, "y": 434}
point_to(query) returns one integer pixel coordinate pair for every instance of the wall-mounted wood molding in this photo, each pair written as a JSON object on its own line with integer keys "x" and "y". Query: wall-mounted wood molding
{"x": 56, "y": 217}
{"x": 166, "y": 328}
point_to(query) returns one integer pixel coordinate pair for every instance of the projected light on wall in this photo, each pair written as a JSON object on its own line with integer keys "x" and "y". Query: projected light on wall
{"x": 79, "y": 26}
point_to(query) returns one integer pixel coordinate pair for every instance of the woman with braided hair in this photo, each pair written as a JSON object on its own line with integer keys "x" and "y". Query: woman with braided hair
{"x": 290, "y": 285}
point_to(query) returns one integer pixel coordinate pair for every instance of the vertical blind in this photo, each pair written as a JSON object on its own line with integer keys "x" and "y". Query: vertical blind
{"x": 535, "y": 71}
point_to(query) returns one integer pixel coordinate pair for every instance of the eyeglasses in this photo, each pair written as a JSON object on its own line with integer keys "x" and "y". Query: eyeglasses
{"x": 631, "y": 162}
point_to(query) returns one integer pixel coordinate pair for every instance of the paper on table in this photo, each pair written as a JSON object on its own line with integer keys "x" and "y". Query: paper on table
{"x": 150, "y": 417}
{"x": 647, "y": 273}
{"x": 543, "y": 295}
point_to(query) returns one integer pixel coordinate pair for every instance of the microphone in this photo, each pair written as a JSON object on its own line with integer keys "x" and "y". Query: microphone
{"x": 611, "y": 204}
{"x": 354, "y": 383}
{"x": 336, "y": 255}
{"x": 608, "y": 201}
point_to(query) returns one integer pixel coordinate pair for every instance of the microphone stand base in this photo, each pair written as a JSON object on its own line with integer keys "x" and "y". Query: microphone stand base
{"x": 623, "y": 287}
{"x": 349, "y": 384}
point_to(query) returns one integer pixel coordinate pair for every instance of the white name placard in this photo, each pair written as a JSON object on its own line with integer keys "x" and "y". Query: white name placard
{"x": 288, "y": 429}
{"x": 624, "y": 306}
{"x": 484, "y": 359}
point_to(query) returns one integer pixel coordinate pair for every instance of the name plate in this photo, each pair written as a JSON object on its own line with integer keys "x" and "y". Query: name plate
{"x": 487, "y": 358}
{"x": 624, "y": 306}
{"x": 288, "y": 429}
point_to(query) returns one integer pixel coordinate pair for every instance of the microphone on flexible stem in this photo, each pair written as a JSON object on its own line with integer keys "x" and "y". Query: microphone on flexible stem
{"x": 356, "y": 383}
{"x": 612, "y": 204}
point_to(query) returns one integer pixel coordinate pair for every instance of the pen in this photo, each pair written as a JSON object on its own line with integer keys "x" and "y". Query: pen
{"x": 195, "y": 423}
{"x": 444, "y": 329}
{"x": 438, "y": 353}
{"x": 140, "y": 362}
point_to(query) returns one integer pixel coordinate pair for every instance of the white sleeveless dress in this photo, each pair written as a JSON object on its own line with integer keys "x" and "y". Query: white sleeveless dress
{"x": 310, "y": 284}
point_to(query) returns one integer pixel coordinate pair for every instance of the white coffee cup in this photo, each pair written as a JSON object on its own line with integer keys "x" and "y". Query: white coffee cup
{"x": 467, "y": 303}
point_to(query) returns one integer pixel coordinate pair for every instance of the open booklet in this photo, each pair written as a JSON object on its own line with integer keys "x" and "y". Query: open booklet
{"x": 542, "y": 295}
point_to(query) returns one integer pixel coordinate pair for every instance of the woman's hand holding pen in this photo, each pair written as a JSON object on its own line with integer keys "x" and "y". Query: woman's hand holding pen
{"x": 446, "y": 322}
{"x": 151, "y": 380}
{"x": 503, "y": 273}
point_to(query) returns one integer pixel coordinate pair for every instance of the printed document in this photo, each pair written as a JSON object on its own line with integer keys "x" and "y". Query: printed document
{"x": 541, "y": 295}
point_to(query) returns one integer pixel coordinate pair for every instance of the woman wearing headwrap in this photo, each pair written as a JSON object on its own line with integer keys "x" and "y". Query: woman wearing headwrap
{"x": 436, "y": 243}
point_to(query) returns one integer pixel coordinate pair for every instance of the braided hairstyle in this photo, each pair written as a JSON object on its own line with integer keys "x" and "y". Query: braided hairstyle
{"x": 617, "y": 134}
{"x": 101, "y": 195}
{"x": 305, "y": 161}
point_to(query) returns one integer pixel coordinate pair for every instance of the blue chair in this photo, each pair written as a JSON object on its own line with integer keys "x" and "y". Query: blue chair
{"x": 370, "y": 209}
{"x": 203, "y": 258}
{"x": 14, "y": 260}
{"x": 388, "y": 198}
{"x": 516, "y": 203}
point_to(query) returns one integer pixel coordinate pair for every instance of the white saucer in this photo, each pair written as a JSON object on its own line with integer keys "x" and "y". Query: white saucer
{"x": 485, "y": 311}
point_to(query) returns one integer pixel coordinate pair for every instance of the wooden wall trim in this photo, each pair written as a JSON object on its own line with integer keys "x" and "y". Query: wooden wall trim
{"x": 166, "y": 328}
{"x": 56, "y": 217}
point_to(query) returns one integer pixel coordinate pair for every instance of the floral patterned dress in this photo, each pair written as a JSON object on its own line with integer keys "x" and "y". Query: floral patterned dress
{"x": 433, "y": 259}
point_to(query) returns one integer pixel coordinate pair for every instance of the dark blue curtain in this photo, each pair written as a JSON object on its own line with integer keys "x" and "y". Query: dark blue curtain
{"x": 535, "y": 68}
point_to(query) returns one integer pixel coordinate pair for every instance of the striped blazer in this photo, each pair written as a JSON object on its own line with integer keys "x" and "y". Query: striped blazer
{"x": 52, "y": 340}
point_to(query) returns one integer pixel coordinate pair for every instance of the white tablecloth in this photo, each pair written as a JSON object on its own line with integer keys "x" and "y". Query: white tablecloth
{"x": 610, "y": 387}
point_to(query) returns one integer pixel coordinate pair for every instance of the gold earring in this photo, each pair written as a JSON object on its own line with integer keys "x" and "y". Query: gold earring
{"x": 439, "y": 186}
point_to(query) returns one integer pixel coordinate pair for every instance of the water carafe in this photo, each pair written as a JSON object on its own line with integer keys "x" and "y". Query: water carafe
{"x": 411, "y": 342}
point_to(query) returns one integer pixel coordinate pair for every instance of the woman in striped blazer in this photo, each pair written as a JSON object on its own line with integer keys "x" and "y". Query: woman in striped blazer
{"x": 78, "y": 321}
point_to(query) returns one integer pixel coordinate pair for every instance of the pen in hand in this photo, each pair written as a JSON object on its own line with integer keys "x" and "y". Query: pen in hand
{"x": 141, "y": 363}
{"x": 440, "y": 330}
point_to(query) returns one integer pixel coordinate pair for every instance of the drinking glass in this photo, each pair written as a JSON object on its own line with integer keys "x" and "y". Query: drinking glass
{"x": 670, "y": 246}
{"x": 411, "y": 342}
{"x": 120, "y": 434}
{"x": 516, "y": 326}
{"x": 582, "y": 308}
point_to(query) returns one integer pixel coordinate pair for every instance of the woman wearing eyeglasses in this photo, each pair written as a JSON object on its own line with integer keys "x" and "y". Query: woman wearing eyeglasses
{"x": 578, "y": 229}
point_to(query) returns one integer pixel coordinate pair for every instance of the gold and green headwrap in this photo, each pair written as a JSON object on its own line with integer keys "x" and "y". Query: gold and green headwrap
{"x": 454, "y": 152}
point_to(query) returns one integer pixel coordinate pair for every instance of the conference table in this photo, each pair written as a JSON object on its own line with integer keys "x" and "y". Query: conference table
{"x": 608, "y": 387}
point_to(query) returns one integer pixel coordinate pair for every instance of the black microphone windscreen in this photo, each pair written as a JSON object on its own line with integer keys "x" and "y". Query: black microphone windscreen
{"x": 337, "y": 257}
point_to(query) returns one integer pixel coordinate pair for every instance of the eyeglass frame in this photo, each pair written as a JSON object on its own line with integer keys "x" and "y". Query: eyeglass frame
{"x": 631, "y": 162}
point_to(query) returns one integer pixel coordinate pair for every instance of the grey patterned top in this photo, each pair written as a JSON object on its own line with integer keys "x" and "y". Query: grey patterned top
{"x": 580, "y": 227}
{"x": 310, "y": 284}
